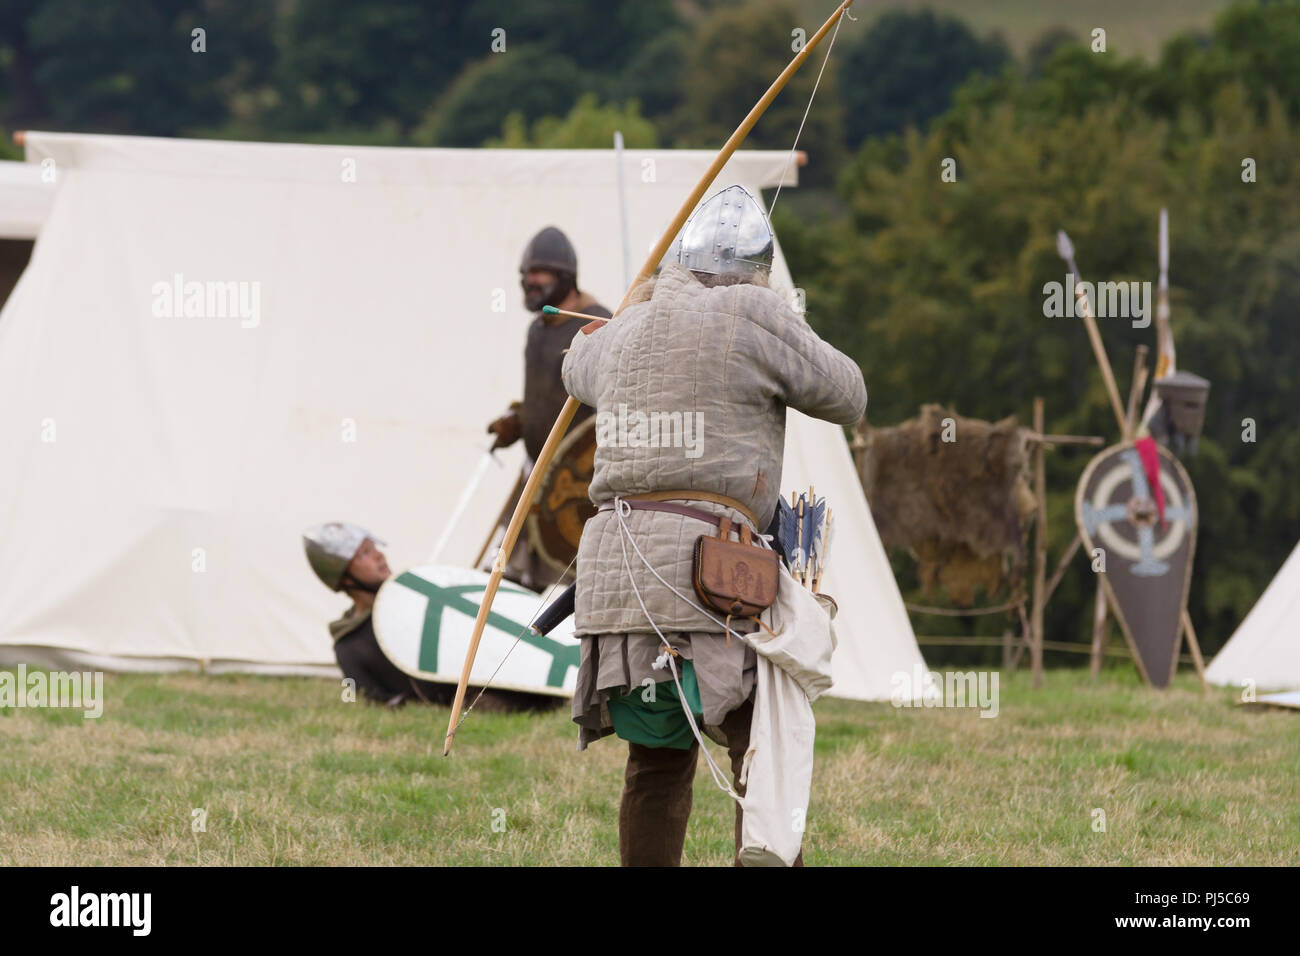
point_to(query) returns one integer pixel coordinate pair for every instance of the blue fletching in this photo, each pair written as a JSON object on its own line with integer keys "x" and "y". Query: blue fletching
{"x": 812, "y": 521}
{"x": 789, "y": 522}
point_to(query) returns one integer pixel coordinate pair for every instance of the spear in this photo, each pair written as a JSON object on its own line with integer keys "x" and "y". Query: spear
{"x": 1166, "y": 360}
{"x": 1065, "y": 248}
{"x": 571, "y": 406}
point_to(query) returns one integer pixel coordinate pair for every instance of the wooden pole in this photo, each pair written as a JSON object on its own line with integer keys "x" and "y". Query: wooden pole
{"x": 1064, "y": 647}
{"x": 1040, "y": 547}
{"x": 1061, "y": 565}
{"x": 572, "y": 404}
{"x": 1065, "y": 248}
{"x": 1094, "y": 440}
{"x": 1135, "y": 392}
{"x": 1026, "y": 637}
{"x": 1099, "y": 350}
{"x": 1194, "y": 646}
{"x": 858, "y": 448}
{"x": 1098, "y": 628}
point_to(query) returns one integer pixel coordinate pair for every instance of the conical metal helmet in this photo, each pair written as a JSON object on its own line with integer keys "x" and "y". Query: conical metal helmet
{"x": 729, "y": 233}
{"x": 331, "y": 547}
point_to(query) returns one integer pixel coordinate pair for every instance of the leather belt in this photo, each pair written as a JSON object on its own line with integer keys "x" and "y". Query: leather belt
{"x": 657, "y": 501}
{"x": 676, "y": 494}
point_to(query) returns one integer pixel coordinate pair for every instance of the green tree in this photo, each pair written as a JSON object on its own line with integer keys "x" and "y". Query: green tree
{"x": 904, "y": 69}
{"x": 21, "y": 100}
{"x": 1044, "y": 45}
{"x": 601, "y": 37}
{"x": 346, "y": 64}
{"x": 1254, "y": 44}
{"x": 587, "y": 126}
{"x": 736, "y": 55}
{"x": 653, "y": 75}
{"x": 120, "y": 67}
{"x": 938, "y": 289}
{"x": 530, "y": 82}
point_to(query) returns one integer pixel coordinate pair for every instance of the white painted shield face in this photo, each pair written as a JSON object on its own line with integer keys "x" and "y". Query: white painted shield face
{"x": 424, "y": 619}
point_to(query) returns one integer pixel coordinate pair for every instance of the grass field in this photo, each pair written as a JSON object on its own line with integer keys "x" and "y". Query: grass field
{"x": 289, "y": 774}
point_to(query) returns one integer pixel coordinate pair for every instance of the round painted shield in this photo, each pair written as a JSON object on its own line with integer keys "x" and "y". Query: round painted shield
{"x": 562, "y": 506}
{"x": 424, "y": 619}
{"x": 1148, "y": 557}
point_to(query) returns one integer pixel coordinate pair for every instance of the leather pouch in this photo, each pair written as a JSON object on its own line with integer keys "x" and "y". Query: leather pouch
{"x": 735, "y": 577}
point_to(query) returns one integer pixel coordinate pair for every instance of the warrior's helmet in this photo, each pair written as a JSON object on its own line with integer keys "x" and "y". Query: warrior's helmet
{"x": 331, "y": 547}
{"x": 550, "y": 249}
{"x": 728, "y": 234}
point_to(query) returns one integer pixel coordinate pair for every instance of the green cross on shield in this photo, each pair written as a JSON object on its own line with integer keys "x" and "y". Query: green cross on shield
{"x": 563, "y": 656}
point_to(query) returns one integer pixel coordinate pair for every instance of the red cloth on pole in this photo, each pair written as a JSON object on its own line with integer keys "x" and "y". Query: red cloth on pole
{"x": 1146, "y": 448}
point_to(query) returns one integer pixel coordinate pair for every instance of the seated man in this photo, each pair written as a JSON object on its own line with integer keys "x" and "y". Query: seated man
{"x": 347, "y": 558}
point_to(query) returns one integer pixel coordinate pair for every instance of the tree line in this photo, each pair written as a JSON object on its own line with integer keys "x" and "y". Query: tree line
{"x": 933, "y": 282}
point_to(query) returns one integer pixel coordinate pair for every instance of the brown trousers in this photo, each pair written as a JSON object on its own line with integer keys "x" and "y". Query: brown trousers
{"x": 657, "y": 793}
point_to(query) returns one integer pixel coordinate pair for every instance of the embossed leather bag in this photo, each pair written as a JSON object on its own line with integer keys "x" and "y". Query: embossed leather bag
{"x": 735, "y": 577}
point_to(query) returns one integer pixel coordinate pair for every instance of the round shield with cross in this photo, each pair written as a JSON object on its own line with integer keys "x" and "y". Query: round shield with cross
{"x": 1139, "y": 518}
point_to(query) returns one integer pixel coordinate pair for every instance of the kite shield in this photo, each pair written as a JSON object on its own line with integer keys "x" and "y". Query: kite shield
{"x": 1148, "y": 557}
{"x": 424, "y": 619}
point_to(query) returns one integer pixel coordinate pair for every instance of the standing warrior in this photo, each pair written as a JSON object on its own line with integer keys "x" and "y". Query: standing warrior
{"x": 549, "y": 276}
{"x": 709, "y": 342}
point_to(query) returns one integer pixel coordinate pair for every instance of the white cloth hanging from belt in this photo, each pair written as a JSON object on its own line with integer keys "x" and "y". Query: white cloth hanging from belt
{"x": 794, "y": 669}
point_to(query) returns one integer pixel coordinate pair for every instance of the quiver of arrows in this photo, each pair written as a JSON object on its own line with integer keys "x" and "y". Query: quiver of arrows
{"x": 805, "y": 536}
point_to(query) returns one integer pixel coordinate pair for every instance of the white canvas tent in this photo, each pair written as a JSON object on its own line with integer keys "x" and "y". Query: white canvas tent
{"x": 25, "y": 199}
{"x": 26, "y": 194}
{"x": 360, "y": 323}
{"x": 1265, "y": 649}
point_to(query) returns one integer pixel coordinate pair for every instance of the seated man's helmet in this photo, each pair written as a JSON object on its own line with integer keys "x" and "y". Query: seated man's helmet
{"x": 729, "y": 233}
{"x": 331, "y": 547}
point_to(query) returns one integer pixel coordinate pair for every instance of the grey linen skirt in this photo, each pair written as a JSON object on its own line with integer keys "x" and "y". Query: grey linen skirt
{"x": 612, "y": 665}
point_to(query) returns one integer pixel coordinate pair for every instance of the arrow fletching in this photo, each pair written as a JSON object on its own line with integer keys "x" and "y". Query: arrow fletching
{"x": 789, "y": 532}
